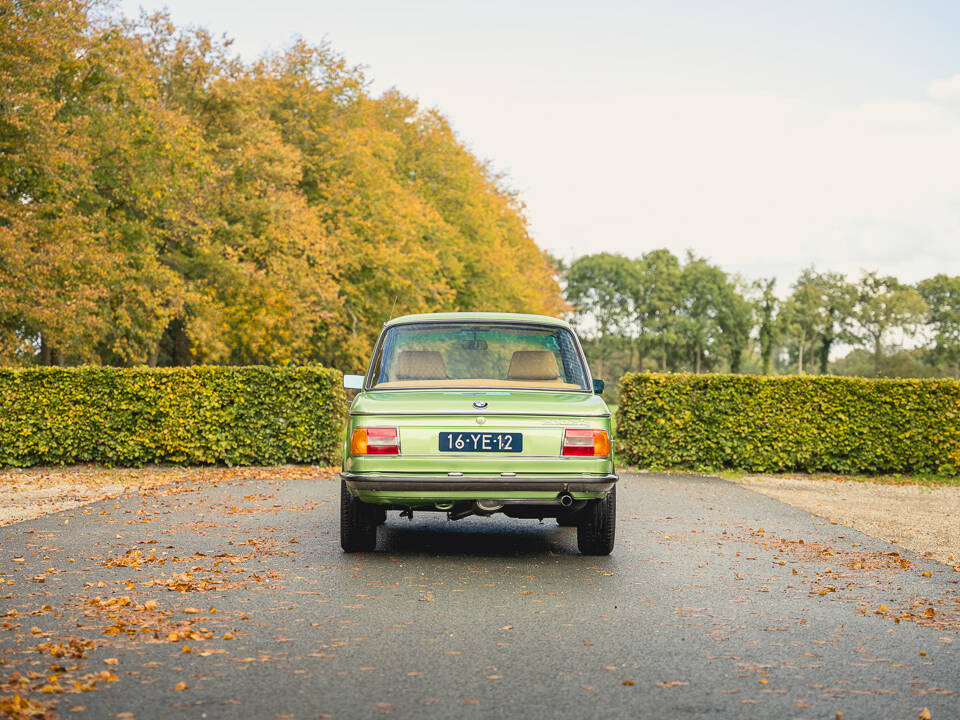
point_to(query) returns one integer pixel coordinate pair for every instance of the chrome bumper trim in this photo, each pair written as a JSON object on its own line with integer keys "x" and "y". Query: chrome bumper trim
{"x": 497, "y": 483}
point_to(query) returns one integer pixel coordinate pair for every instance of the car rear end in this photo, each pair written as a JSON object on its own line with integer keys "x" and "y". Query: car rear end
{"x": 478, "y": 416}
{"x": 448, "y": 452}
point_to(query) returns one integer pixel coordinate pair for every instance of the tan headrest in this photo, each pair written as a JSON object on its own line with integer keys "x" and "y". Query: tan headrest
{"x": 533, "y": 365}
{"x": 420, "y": 365}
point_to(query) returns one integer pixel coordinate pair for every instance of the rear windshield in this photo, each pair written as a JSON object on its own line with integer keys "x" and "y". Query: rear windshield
{"x": 486, "y": 355}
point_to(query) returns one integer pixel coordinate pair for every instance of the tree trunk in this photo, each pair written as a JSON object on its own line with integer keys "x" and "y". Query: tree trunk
{"x": 800, "y": 358}
{"x": 825, "y": 354}
{"x": 154, "y": 355}
{"x": 697, "y": 359}
{"x": 876, "y": 356}
{"x": 44, "y": 350}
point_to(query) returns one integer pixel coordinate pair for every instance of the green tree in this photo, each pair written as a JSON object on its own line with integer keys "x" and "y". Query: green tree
{"x": 736, "y": 323}
{"x": 766, "y": 307}
{"x": 884, "y": 305}
{"x": 802, "y": 316}
{"x": 600, "y": 288}
{"x": 838, "y": 298}
{"x": 942, "y": 295}
{"x": 705, "y": 292}
{"x": 656, "y": 300}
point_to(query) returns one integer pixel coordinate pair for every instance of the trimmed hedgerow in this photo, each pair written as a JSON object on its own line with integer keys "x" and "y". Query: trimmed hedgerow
{"x": 193, "y": 415}
{"x": 773, "y": 424}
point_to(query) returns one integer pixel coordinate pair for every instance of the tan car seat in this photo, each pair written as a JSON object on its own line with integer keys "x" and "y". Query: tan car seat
{"x": 420, "y": 365}
{"x": 539, "y": 365}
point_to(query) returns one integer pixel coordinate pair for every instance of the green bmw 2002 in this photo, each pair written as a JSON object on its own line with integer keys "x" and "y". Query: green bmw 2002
{"x": 476, "y": 414}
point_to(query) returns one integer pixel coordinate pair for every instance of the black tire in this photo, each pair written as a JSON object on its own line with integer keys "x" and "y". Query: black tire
{"x": 358, "y": 523}
{"x": 598, "y": 525}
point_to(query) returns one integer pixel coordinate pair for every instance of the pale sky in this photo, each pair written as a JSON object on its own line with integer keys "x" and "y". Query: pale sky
{"x": 767, "y": 136}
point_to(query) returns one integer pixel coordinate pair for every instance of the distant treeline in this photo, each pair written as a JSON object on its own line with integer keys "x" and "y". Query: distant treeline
{"x": 164, "y": 203}
{"x": 657, "y": 312}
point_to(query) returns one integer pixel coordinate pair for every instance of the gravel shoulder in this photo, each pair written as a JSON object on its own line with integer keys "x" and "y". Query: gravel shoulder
{"x": 921, "y": 518}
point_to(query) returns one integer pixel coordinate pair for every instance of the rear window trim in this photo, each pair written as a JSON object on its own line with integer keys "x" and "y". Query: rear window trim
{"x": 368, "y": 378}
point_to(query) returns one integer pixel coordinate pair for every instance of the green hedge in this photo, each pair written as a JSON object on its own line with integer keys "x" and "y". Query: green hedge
{"x": 195, "y": 415}
{"x": 770, "y": 424}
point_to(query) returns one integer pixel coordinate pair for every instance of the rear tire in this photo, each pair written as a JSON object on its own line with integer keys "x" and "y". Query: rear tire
{"x": 358, "y": 523}
{"x": 596, "y": 531}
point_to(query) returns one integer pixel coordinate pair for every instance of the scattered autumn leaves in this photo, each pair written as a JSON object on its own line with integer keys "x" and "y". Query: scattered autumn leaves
{"x": 124, "y": 620}
{"x": 846, "y": 569}
{"x": 28, "y": 493}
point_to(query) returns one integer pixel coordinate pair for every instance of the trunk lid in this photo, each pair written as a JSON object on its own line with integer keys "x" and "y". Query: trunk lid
{"x": 422, "y": 415}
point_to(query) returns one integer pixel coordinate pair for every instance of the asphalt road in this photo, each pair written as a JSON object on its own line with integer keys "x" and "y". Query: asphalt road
{"x": 710, "y": 606}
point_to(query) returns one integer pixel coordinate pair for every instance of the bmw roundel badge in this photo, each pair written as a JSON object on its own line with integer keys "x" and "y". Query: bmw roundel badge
{"x": 480, "y": 404}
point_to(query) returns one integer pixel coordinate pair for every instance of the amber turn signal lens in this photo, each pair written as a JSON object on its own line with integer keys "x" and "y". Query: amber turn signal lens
{"x": 374, "y": 441}
{"x": 586, "y": 443}
{"x": 601, "y": 443}
{"x": 358, "y": 443}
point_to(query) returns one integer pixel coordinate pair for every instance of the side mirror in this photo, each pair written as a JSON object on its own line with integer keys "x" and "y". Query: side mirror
{"x": 597, "y": 387}
{"x": 353, "y": 382}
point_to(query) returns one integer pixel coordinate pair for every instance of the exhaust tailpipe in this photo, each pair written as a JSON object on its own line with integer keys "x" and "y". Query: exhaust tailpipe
{"x": 480, "y": 507}
{"x": 489, "y": 506}
{"x": 566, "y": 500}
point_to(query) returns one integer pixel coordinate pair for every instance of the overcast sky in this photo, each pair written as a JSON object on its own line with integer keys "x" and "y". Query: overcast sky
{"x": 767, "y": 136}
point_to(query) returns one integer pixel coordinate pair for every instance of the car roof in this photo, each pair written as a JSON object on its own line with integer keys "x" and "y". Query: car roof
{"x": 478, "y": 317}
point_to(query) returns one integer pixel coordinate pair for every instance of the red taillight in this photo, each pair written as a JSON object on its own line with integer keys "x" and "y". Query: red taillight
{"x": 593, "y": 443}
{"x": 374, "y": 441}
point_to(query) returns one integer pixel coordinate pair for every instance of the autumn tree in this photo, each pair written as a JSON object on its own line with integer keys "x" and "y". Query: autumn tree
{"x": 53, "y": 272}
{"x": 163, "y": 202}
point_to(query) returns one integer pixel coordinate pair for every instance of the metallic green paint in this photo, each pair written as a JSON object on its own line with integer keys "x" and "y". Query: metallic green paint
{"x": 478, "y": 316}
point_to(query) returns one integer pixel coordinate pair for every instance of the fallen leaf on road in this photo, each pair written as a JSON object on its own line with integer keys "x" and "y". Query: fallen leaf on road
{"x": 181, "y": 686}
{"x": 673, "y": 683}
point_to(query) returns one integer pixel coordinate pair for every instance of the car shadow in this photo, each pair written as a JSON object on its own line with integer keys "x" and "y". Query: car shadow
{"x": 479, "y": 538}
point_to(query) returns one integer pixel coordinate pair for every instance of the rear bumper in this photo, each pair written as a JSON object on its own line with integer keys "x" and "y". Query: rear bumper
{"x": 483, "y": 484}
